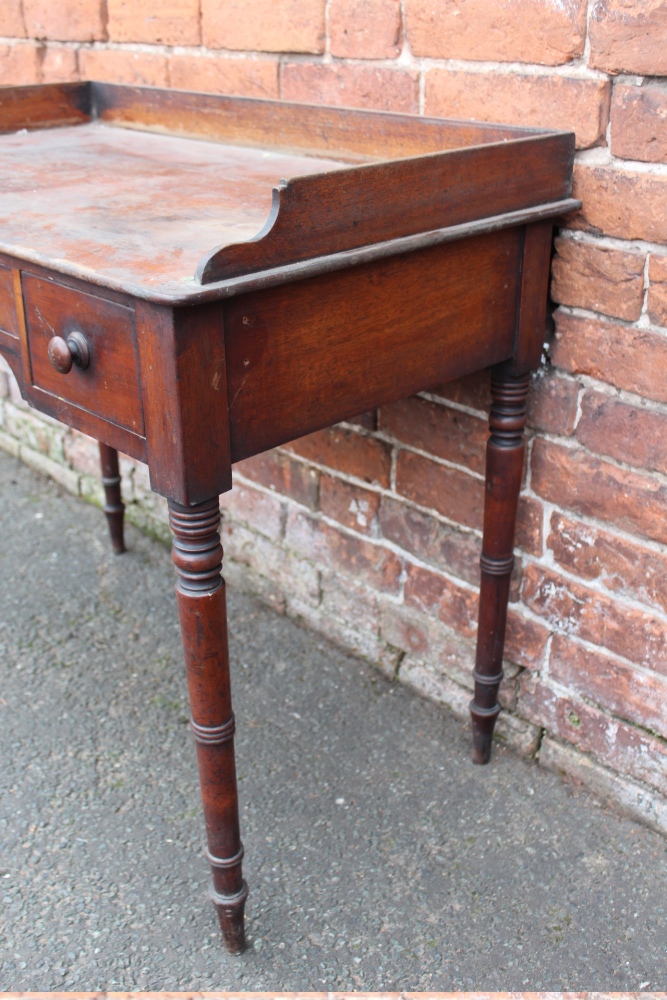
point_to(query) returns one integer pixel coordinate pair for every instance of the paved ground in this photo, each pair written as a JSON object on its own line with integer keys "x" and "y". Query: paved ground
{"x": 378, "y": 856}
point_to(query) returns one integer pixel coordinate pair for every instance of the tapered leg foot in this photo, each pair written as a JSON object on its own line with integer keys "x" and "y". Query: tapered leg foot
{"x": 504, "y": 466}
{"x": 200, "y": 594}
{"x": 113, "y": 507}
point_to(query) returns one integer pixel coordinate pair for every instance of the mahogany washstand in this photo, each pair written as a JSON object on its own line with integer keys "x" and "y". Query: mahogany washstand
{"x": 162, "y": 289}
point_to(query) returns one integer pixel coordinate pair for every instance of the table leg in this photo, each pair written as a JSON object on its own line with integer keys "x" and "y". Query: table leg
{"x": 113, "y": 507}
{"x": 504, "y": 467}
{"x": 200, "y": 592}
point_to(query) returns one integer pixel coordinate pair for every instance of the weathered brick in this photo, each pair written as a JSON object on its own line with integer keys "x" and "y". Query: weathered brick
{"x": 578, "y": 611}
{"x": 441, "y": 431}
{"x": 351, "y": 85}
{"x": 471, "y": 390}
{"x": 525, "y": 640}
{"x": 630, "y": 692}
{"x": 220, "y": 75}
{"x": 626, "y": 357}
{"x": 324, "y": 544}
{"x": 82, "y": 453}
{"x": 12, "y": 24}
{"x": 264, "y": 25}
{"x": 625, "y": 203}
{"x": 626, "y": 567}
{"x": 269, "y": 570}
{"x": 165, "y": 22}
{"x": 628, "y": 37}
{"x": 580, "y": 106}
{"x": 424, "y": 536}
{"x": 529, "y": 525}
{"x": 19, "y": 64}
{"x": 260, "y": 511}
{"x": 120, "y": 66}
{"x": 552, "y": 403}
{"x": 456, "y": 495}
{"x": 597, "y": 278}
{"x": 350, "y": 505}
{"x": 40, "y": 433}
{"x": 632, "y": 434}
{"x": 576, "y": 480}
{"x": 639, "y": 122}
{"x": 348, "y": 452}
{"x": 66, "y": 20}
{"x": 434, "y": 593}
{"x": 279, "y": 472}
{"x": 364, "y": 29}
{"x": 365, "y": 421}
{"x": 59, "y": 65}
{"x": 616, "y": 744}
{"x": 525, "y": 32}
{"x": 657, "y": 289}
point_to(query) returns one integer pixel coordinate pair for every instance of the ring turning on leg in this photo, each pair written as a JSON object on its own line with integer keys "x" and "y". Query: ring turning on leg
{"x": 504, "y": 466}
{"x": 200, "y": 593}
{"x": 113, "y": 507}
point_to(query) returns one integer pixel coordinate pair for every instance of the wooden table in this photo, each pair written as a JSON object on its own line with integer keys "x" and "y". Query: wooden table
{"x": 162, "y": 289}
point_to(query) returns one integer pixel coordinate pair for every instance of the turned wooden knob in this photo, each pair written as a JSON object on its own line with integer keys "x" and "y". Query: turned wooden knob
{"x": 65, "y": 353}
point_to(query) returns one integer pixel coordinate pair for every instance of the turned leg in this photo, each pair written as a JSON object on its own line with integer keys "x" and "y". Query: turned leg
{"x": 504, "y": 466}
{"x": 114, "y": 507}
{"x": 200, "y": 592}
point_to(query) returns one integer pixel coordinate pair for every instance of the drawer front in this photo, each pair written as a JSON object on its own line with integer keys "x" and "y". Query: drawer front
{"x": 109, "y": 386}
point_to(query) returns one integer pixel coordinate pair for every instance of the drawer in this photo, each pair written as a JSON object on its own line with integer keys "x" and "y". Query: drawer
{"x": 109, "y": 385}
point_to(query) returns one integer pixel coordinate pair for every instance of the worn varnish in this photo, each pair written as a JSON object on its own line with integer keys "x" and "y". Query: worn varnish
{"x": 194, "y": 279}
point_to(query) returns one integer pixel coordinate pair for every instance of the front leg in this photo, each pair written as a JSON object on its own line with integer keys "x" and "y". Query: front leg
{"x": 504, "y": 466}
{"x": 200, "y": 593}
{"x": 113, "y": 507}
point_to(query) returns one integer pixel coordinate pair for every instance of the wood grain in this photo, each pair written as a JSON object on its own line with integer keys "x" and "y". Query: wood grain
{"x": 44, "y": 106}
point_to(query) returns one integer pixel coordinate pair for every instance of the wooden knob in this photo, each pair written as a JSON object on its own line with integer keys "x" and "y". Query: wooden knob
{"x": 65, "y": 353}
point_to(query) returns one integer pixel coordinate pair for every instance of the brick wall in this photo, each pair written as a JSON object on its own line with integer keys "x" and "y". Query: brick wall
{"x": 369, "y": 532}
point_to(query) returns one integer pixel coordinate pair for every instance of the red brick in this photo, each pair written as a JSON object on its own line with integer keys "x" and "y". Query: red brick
{"x": 119, "y": 66}
{"x": 348, "y": 452}
{"x": 599, "y": 619}
{"x": 597, "y": 278}
{"x": 263, "y": 513}
{"x": 19, "y": 64}
{"x": 351, "y": 85}
{"x": 220, "y": 75}
{"x": 82, "y": 453}
{"x": 456, "y": 495}
{"x": 628, "y": 37}
{"x": 525, "y": 640}
{"x": 614, "y": 743}
{"x": 631, "y": 693}
{"x": 165, "y": 22}
{"x": 283, "y": 474}
{"x": 626, "y": 357}
{"x": 639, "y": 123}
{"x": 552, "y": 403}
{"x": 530, "y": 31}
{"x": 350, "y": 505}
{"x": 264, "y": 25}
{"x": 471, "y": 390}
{"x": 580, "y": 106}
{"x": 626, "y": 567}
{"x": 631, "y": 434}
{"x": 59, "y": 65}
{"x": 657, "y": 290}
{"x": 433, "y": 593}
{"x": 625, "y": 203}
{"x": 576, "y": 480}
{"x": 424, "y": 536}
{"x": 439, "y": 430}
{"x": 529, "y": 522}
{"x": 366, "y": 421}
{"x": 65, "y": 20}
{"x": 12, "y": 24}
{"x": 365, "y": 29}
{"x": 336, "y": 550}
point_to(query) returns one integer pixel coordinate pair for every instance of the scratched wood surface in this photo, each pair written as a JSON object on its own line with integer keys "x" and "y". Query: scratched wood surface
{"x": 134, "y": 206}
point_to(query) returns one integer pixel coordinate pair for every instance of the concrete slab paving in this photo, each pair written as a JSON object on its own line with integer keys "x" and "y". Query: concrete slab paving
{"x": 378, "y": 857}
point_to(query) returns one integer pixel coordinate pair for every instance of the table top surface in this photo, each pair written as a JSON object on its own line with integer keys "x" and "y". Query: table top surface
{"x": 134, "y": 206}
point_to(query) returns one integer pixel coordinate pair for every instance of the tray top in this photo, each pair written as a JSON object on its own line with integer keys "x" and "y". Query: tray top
{"x": 134, "y": 207}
